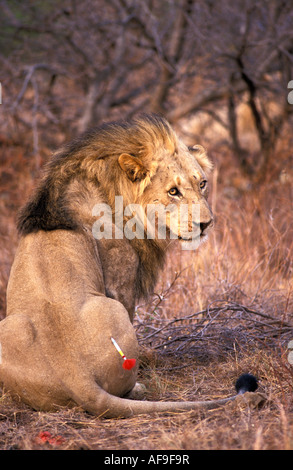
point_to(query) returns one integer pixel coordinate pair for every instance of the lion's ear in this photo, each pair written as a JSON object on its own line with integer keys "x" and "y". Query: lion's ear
{"x": 133, "y": 167}
{"x": 202, "y": 158}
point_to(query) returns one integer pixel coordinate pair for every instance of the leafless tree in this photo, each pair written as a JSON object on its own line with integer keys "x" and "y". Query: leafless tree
{"x": 70, "y": 65}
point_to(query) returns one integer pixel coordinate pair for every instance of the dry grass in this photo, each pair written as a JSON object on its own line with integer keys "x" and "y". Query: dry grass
{"x": 226, "y": 428}
{"x": 228, "y": 310}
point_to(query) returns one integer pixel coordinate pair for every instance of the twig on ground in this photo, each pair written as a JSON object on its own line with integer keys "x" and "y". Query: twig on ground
{"x": 222, "y": 325}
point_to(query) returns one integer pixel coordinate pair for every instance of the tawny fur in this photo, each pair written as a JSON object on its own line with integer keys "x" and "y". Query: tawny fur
{"x": 69, "y": 293}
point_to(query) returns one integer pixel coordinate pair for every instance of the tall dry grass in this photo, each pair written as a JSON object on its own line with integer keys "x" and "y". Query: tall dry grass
{"x": 234, "y": 294}
{"x": 249, "y": 255}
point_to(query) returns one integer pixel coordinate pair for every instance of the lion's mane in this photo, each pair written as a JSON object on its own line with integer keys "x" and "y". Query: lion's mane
{"x": 93, "y": 159}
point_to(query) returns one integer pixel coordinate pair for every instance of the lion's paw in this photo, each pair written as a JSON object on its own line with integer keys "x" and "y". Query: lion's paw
{"x": 137, "y": 393}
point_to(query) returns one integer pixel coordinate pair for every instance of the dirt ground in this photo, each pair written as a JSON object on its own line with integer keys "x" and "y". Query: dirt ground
{"x": 225, "y": 310}
{"x": 233, "y": 426}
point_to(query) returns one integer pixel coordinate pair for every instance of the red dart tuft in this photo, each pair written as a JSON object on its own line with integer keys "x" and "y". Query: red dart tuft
{"x": 128, "y": 364}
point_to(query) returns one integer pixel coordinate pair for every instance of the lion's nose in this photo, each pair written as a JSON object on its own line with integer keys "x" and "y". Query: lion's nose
{"x": 205, "y": 225}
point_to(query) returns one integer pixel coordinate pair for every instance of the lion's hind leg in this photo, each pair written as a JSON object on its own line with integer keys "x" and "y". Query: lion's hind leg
{"x": 17, "y": 334}
{"x": 24, "y": 370}
{"x": 102, "y": 319}
{"x": 17, "y": 337}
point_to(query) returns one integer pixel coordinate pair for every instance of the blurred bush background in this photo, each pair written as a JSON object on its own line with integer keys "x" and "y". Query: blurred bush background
{"x": 219, "y": 71}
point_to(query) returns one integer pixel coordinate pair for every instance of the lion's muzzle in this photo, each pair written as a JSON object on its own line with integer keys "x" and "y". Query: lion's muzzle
{"x": 204, "y": 226}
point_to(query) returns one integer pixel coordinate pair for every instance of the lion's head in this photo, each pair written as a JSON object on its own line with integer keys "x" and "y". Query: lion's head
{"x": 169, "y": 182}
{"x": 143, "y": 162}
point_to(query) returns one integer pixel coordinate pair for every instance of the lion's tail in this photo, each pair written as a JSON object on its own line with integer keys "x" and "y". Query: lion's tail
{"x": 111, "y": 406}
{"x": 124, "y": 408}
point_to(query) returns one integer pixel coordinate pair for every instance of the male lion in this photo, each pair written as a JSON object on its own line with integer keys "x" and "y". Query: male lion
{"x": 69, "y": 293}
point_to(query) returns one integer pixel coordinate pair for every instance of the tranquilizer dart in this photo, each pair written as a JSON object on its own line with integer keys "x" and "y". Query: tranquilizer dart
{"x": 127, "y": 363}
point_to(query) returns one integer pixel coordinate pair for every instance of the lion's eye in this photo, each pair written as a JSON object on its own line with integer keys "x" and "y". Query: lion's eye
{"x": 203, "y": 184}
{"x": 174, "y": 192}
